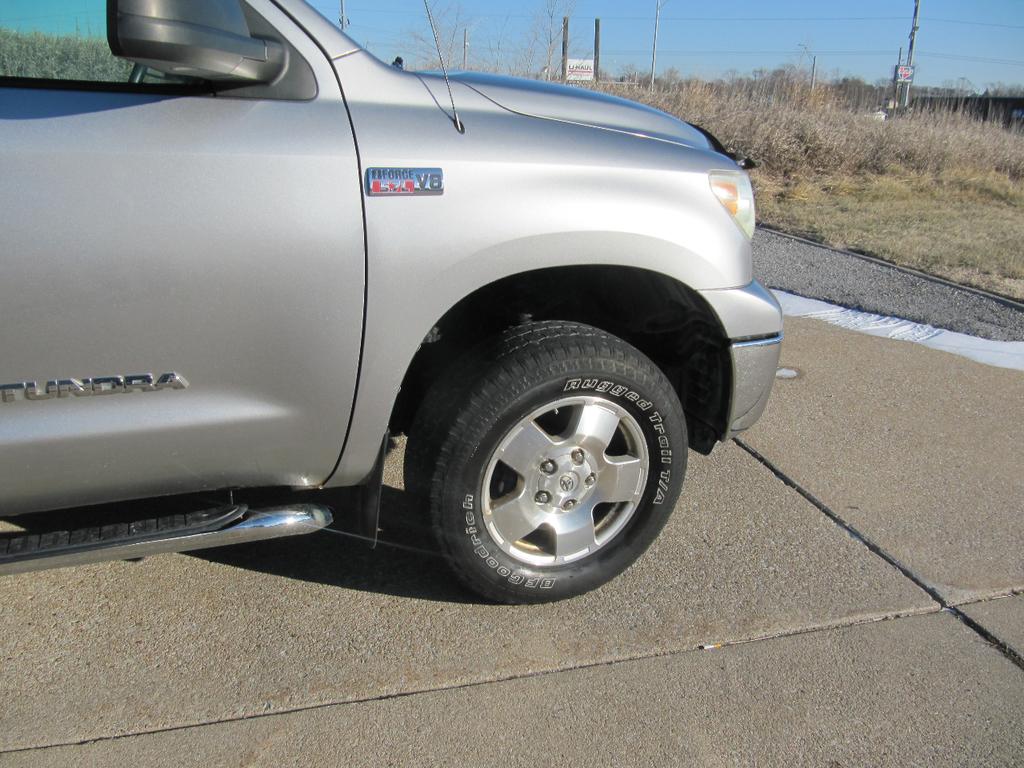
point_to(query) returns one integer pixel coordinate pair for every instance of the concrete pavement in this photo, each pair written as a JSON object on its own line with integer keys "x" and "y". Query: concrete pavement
{"x": 920, "y": 691}
{"x": 920, "y": 450}
{"x": 315, "y": 651}
{"x": 118, "y": 648}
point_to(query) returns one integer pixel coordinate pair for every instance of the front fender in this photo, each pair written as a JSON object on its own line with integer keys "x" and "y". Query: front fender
{"x": 521, "y": 194}
{"x": 407, "y": 299}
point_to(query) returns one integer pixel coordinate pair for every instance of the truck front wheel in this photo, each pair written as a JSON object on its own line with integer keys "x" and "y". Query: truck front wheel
{"x": 553, "y": 456}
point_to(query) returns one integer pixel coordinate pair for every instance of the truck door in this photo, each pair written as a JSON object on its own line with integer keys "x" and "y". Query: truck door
{"x": 181, "y": 294}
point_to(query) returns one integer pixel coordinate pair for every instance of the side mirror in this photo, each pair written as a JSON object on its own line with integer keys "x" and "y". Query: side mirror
{"x": 208, "y": 39}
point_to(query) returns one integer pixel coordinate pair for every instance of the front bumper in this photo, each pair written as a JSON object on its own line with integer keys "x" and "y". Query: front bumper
{"x": 754, "y": 364}
{"x": 752, "y": 318}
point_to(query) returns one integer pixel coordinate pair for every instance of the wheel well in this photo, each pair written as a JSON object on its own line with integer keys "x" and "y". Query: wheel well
{"x": 661, "y": 317}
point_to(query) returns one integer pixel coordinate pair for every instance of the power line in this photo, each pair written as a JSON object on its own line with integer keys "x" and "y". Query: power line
{"x": 976, "y": 59}
{"x": 783, "y": 19}
{"x": 723, "y": 19}
{"x": 762, "y": 18}
{"x": 975, "y": 23}
{"x": 690, "y": 19}
{"x": 885, "y": 53}
{"x": 926, "y": 54}
{"x": 748, "y": 52}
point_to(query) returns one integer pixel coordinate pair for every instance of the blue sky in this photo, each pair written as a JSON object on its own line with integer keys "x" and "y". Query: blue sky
{"x": 86, "y": 17}
{"x": 980, "y": 40}
{"x": 742, "y": 37}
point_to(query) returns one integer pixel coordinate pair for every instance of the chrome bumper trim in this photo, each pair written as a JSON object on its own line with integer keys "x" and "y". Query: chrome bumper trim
{"x": 754, "y": 365}
{"x": 766, "y": 342}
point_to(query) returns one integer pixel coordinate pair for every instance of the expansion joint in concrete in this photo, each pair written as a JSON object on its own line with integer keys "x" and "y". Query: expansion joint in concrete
{"x": 877, "y": 550}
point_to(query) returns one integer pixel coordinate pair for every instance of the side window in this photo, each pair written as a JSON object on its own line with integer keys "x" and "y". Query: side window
{"x": 65, "y": 40}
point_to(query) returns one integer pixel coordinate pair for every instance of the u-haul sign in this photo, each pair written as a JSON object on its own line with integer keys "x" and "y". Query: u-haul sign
{"x": 580, "y": 71}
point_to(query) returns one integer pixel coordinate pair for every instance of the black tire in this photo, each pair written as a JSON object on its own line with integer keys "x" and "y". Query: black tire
{"x": 466, "y": 415}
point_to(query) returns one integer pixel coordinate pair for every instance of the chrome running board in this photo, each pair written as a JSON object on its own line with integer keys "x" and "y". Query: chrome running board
{"x": 24, "y": 552}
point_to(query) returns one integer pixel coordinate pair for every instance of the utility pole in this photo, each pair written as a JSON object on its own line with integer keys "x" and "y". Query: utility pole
{"x": 910, "y": 53}
{"x": 344, "y": 18}
{"x": 565, "y": 49}
{"x": 597, "y": 50}
{"x": 654, "y": 51}
{"x": 465, "y": 49}
{"x": 814, "y": 72}
{"x": 896, "y": 84}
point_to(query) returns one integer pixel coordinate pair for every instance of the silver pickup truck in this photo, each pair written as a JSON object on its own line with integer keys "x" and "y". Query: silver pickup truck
{"x": 240, "y": 252}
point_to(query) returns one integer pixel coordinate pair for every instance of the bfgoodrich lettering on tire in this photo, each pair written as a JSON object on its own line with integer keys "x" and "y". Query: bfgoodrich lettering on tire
{"x": 554, "y": 456}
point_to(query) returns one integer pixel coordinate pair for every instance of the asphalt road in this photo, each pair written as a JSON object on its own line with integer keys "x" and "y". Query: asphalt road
{"x": 840, "y": 278}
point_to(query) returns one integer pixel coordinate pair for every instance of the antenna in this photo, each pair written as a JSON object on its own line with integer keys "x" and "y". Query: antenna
{"x": 437, "y": 42}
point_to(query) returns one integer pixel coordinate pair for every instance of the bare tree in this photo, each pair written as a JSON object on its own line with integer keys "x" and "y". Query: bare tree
{"x": 497, "y": 48}
{"x": 536, "y": 52}
{"x": 526, "y": 61}
{"x": 549, "y": 24}
{"x": 451, "y": 20}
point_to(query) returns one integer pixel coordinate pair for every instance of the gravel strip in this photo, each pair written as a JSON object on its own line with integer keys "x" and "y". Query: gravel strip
{"x": 840, "y": 278}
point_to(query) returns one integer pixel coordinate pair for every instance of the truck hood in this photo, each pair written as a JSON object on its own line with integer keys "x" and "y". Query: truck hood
{"x": 551, "y": 101}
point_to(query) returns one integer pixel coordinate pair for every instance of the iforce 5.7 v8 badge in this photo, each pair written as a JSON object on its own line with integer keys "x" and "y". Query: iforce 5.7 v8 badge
{"x": 399, "y": 182}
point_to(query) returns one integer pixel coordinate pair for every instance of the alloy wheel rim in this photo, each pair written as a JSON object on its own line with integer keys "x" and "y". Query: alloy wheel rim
{"x": 564, "y": 481}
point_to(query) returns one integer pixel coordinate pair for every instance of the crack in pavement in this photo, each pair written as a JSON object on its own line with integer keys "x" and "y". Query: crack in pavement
{"x": 702, "y": 648}
{"x": 1014, "y": 592}
{"x": 877, "y": 550}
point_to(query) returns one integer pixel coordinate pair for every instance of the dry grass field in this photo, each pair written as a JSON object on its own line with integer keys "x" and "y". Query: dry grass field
{"x": 940, "y": 192}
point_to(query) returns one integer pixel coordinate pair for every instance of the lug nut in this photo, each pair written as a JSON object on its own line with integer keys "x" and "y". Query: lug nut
{"x": 548, "y": 467}
{"x": 542, "y": 497}
{"x": 591, "y": 481}
{"x": 578, "y": 456}
{"x": 569, "y": 505}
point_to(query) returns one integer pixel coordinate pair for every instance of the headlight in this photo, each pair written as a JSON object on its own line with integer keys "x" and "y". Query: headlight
{"x": 733, "y": 190}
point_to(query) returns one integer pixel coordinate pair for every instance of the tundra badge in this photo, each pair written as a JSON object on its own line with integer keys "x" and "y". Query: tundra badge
{"x": 104, "y": 385}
